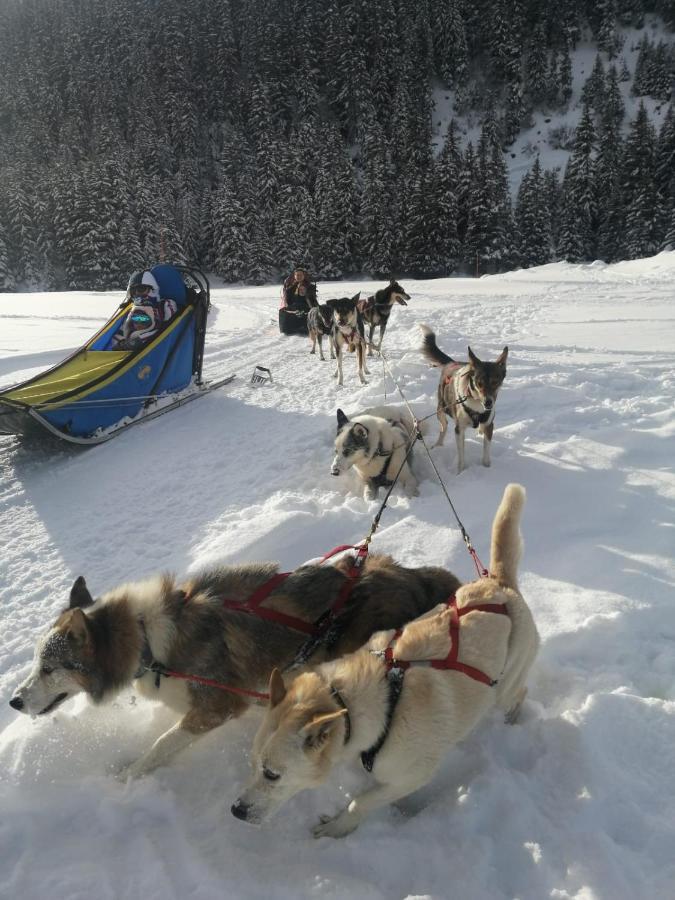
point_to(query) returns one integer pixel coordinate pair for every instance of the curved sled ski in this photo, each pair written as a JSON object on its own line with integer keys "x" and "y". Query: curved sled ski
{"x": 97, "y": 392}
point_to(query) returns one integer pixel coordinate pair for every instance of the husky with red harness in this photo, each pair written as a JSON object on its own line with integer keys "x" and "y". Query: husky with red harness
{"x": 206, "y": 646}
{"x": 400, "y": 702}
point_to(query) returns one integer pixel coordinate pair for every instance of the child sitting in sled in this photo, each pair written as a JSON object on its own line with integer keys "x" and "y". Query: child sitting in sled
{"x": 149, "y": 313}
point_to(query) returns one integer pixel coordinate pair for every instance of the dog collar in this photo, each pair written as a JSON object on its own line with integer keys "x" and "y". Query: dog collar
{"x": 337, "y": 696}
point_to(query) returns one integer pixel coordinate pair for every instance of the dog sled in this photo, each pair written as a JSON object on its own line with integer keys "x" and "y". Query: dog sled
{"x": 98, "y": 391}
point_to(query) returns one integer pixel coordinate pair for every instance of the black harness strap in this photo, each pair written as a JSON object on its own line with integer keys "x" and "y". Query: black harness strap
{"x": 395, "y": 679}
{"x": 476, "y": 418}
{"x": 147, "y": 662}
{"x": 337, "y": 696}
{"x": 396, "y": 668}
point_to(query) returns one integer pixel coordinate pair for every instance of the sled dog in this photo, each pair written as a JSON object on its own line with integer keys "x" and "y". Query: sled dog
{"x": 400, "y": 719}
{"x": 100, "y": 647}
{"x": 376, "y": 443}
{"x": 347, "y": 331}
{"x": 467, "y": 392}
{"x": 377, "y": 309}
{"x": 320, "y": 323}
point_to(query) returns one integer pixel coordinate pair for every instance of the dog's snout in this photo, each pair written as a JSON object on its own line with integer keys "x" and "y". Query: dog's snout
{"x": 16, "y": 703}
{"x": 488, "y": 402}
{"x": 240, "y": 810}
{"x": 334, "y": 470}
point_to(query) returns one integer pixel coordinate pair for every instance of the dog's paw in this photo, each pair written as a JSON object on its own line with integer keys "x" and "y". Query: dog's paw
{"x": 334, "y": 826}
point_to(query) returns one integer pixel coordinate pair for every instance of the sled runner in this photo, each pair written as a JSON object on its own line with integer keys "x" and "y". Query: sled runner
{"x": 97, "y": 391}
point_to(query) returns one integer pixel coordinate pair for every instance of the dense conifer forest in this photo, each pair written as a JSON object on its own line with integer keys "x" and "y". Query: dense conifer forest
{"x": 245, "y": 135}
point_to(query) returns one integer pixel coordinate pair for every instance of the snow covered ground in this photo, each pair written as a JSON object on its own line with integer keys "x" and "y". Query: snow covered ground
{"x": 577, "y": 800}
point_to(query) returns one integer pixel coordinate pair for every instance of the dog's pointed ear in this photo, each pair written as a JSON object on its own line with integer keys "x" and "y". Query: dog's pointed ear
{"x": 355, "y": 298}
{"x": 473, "y": 359}
{"x": 277, "y": 688}
{"x": 77, "y": 627}
{"x": 318, "y": 729}
{"x": 501, "y": 359}
{"x": 360, "y": 430}
{"x": 342, "y": 419}
{"x": 80, "y": 598}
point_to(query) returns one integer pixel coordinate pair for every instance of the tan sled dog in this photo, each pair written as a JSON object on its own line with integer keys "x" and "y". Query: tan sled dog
{"x": 400, "y": 724}
{"x": 467, "y": 392}
{"x": 100, "y": 647}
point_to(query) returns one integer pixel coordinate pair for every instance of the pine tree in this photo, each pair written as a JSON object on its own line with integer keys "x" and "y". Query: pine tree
{"x": 638, "y": 188}
{"x": 230, "y": 235}
{"x": 593, "y": 91}
{"x": 447, "y": 190}
{"x": 490, "y": 226}
{"x": 537, "y": 84}
{"x": 450, "y": 44}
{"x": 336, "y": 226}
{"x": 607, "y": 170}
{"x": 533, "y": 220}
{"x": 578, "y": 225}
{"x": 608, "y": 38}
{"x": 565, "y": 76}
{"x": 613, "y": 108}
{"x": 378, "y": 212}
{"x": 669, "y": 239}
{"x": 553, "y": 196}
{"x": 665, "y": 167}
{"x": 6, "y": 279}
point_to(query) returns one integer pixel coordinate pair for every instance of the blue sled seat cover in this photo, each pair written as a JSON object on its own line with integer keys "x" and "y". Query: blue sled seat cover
{"x": 171, "y": 284}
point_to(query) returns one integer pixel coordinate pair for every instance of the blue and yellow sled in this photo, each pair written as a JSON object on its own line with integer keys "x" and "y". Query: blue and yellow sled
{"x": 97, "y": 392}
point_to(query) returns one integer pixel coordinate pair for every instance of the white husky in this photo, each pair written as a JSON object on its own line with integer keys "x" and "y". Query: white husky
{"x": 376, "y": 443}
{"x": 400, "y": 725}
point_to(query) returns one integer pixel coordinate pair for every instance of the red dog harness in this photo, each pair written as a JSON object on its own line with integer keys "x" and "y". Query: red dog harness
{"x": 451, "y": 660}
{"x": 252, "y": 604}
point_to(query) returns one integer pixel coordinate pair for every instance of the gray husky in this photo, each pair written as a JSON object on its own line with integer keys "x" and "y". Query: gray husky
{"x": 320, "y": 323}
{"x": 467, "y": 392}
{"x": 376, "y": 443}
{"x": 134, "y": 633}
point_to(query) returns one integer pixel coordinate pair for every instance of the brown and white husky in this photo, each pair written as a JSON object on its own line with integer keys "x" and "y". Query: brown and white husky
{"x": 100, "y": 647}
{"x": 467, "y": 392}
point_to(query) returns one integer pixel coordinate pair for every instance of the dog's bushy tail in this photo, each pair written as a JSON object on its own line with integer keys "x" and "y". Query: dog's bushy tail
{"x": 507, "y": 541}
{"x": 430, "y": 350}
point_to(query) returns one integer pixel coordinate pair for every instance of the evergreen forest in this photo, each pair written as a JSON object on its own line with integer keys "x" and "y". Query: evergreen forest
{"x": 249, "y": 135}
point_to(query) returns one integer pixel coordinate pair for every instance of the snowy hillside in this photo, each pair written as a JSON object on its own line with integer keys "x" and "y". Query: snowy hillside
{"x": 576, "y": 801}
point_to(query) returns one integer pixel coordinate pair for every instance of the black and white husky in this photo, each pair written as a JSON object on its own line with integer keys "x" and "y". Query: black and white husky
{"x": 375, "y": 443}
{"x": 377, "y": 309}
{"x": 348, "y": 333}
